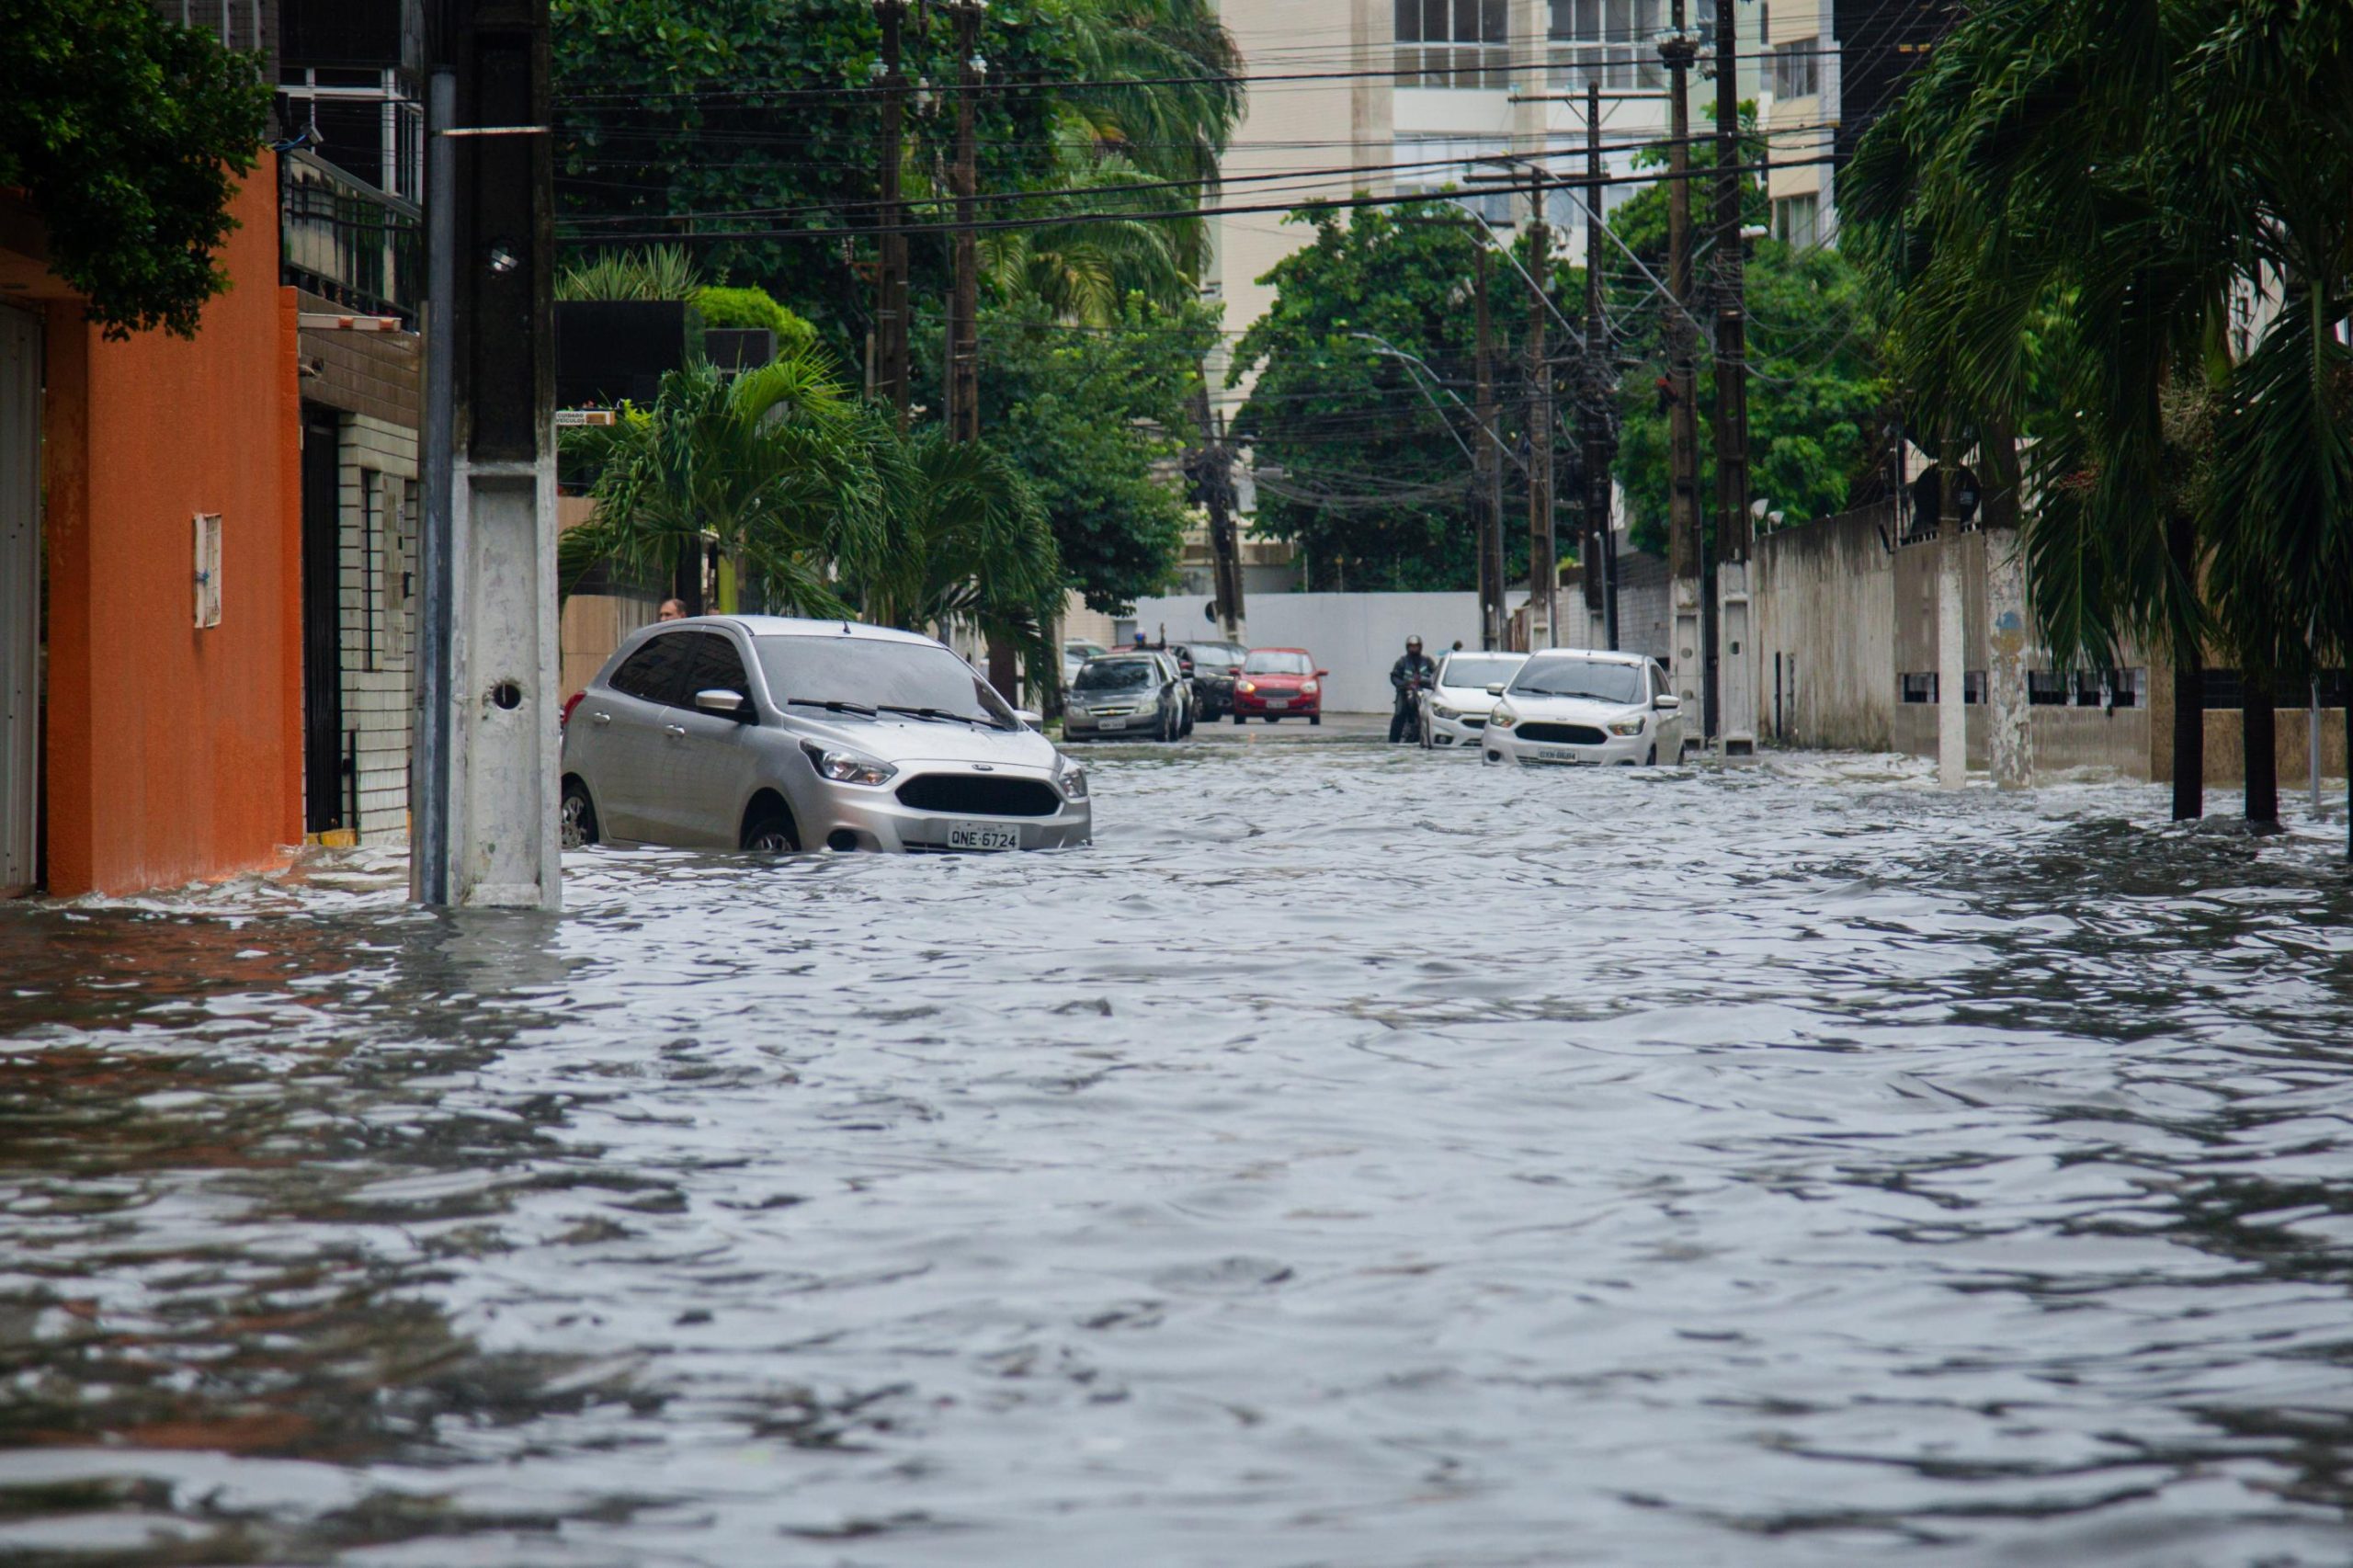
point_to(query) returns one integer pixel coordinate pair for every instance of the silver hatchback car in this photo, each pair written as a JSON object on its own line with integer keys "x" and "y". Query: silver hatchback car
{"x": 759, "y": 733}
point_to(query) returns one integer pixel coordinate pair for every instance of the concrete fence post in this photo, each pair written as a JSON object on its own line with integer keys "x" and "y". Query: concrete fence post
{"x": 2010, "y": 713}
{"x": 1952, "y": 718}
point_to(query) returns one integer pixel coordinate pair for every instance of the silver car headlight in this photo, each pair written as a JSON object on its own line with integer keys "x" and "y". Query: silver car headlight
{"x": 1626, "y": 726}
{"x": 1440, "y": 709}
{"x": 847, "y": 766}
{"x": 1072, "y": 779}
{"x": 1502, "y": 718}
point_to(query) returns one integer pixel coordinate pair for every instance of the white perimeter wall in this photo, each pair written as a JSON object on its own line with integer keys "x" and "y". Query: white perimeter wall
{"x": 1356, "y": 636}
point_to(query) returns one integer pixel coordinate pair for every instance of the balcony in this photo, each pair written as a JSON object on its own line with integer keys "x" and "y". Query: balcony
{"x": 342, "y": 238}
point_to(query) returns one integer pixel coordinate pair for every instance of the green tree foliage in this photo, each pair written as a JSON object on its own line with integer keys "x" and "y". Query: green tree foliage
{"x": 1095, "y": 416}
{"x": 1355, "y": 465}
{"x": 649, "y": 272}
{"x": 131, "y": 135}
{"x": 721, "y": 306}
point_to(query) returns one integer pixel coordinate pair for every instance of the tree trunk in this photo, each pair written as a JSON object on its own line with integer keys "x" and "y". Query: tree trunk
{"x": 2188, "y": 688}
{"x": 2259, "y": 739}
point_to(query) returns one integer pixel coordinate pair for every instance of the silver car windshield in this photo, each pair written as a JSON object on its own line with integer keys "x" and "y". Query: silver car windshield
{"x": 1580, "y": 678}
{"x": 1465, "y": 669}
{"x": 869, "y": 675}
{"x": 1117, "y": 674}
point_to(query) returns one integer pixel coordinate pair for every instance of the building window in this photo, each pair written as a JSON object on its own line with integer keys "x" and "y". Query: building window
{"x": 1453, "y": 43}
{"x": 1797, "y": 220}
{"x": 1797, "y": 68}
{"x": 1610, "y": 44}
{"x": 1919, "y": 688}
{"x": 1434, "y": 165}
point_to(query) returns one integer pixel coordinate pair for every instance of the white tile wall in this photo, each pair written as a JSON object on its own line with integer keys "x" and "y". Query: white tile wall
{"x": 379, "y": 508}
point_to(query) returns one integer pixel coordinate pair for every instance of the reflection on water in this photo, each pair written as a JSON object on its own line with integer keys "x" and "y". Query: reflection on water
{"x": 1356, "y": 1157}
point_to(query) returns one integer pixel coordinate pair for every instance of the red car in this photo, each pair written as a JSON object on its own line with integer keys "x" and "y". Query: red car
{"x": 1278, "y": 683}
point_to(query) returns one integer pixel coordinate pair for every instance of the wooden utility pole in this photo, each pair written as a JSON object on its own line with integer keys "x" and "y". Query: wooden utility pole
{"x": 1488, "y": 506}
{"x": 1599, "y": 386}
{"x": 964, "y": 381}
{"x": 1543, "y": 570}
{"x": 891, "y": 277}
{"x": 1683, "y": 543}
{"x": 1732, "y": 651}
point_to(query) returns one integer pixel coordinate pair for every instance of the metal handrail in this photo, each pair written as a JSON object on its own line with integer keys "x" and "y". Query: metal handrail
{"x": 344, "y": 239}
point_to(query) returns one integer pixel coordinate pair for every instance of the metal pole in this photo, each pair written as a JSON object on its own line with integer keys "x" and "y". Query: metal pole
{"x": 1214, "y": 472}
{"x": 428, "y": 866}
{"x": 1601, "y": 378}
{"x": 1489, "y": 475}
{"x": 1544, "y": 572}
{"x": 891, "y": 276}
{"x": 1683, "y": 543}
{"x": 1731, "y": 692}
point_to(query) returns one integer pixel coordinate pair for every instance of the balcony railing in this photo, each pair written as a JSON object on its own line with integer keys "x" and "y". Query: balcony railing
{"x": 342, "y": 238}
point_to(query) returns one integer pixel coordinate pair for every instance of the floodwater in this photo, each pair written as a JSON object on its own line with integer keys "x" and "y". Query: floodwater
{"x": 1357, "y": 1158}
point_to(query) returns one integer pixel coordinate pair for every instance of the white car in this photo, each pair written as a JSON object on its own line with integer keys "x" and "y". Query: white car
{"x": 1582, "y": 706}
{"x": 1454, "y": 709}
{"x": 750, "y": 732}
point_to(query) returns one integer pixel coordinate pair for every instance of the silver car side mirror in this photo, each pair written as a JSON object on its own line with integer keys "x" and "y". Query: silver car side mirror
{"x": 726, "y": 704}
{"x": 1667, "y": 702}
{"x": 1495, "y": 690}
{"x": 1032, "y": 720}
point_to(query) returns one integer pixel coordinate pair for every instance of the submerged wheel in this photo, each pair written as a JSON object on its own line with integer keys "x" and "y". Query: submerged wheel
{"x": 1315, "y": 718}
{"x": 1240, "y": 717}
{"x": 769, "y": 832}
{"x": 576, "y": 817}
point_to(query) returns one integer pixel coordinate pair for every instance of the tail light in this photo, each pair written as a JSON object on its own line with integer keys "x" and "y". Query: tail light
{"x": 569, "y": 704}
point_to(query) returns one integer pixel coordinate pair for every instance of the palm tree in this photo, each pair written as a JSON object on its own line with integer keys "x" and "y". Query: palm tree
{"x": 771, "y": 463}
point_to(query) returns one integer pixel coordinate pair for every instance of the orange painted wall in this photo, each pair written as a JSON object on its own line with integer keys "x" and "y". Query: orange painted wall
{"x": 175, "y": 754}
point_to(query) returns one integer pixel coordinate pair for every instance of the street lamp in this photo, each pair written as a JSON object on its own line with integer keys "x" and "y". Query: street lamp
{"x": 1384, "y": 345}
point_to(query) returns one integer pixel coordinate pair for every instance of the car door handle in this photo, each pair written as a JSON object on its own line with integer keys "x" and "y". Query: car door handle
{"x": 675, "y": 732}
{"x": 602, "y": 718}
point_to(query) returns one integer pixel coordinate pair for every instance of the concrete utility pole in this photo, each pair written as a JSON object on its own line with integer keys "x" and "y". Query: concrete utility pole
{"x": 1489, "y": 475}
{"x": 1544, "y": 569}
{"x": 891, "y": 277}
{"x": 486, "y": 743}
{"x": 1600, "y": 379}
{"x": 1732, "y": 653}
{"x": 1953, "y": 678}
{"x": 964, "y": 382}
{"x": 1685, "y": 545}
{"x": 1213, "y": 473}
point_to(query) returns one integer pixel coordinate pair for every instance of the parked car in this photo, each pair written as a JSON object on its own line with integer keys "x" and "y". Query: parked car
{"x": 759, "y": 733}
{"x": 1138, "y": 694}
{"x": 1455, "y": 708}
{"x": 1074, "y": 654}
{"x": 1211, "y": 667}
{"x": 1582, "y": 706}
{"x": 1276, "y": 683}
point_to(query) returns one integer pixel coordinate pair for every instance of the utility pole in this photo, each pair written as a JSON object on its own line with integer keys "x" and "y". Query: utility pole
{"x": 963, "y": 384}
{"x": 1212, "y": 474}
{"x": 1600, "y": 376}
{"x": 485, "y": 760}
{"x": 1732, "y": 652}
{"x": 891, "y": 277}
{"x": 1544, "y": 572}
{"x": 1489, "y": 475}
{"x": 1685, "y": 545}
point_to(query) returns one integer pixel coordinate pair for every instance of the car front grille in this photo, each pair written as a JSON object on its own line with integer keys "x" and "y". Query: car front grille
{"x": 982, "y": 795}
{"x": 1563, "y": 735}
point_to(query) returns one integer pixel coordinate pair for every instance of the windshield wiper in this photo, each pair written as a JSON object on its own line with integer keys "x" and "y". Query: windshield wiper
{"x": 832, "y": 705}
{"x": 936, "y": 714}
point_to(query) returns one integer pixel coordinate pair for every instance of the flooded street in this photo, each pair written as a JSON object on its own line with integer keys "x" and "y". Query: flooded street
{"x": 1357, "y": 1157}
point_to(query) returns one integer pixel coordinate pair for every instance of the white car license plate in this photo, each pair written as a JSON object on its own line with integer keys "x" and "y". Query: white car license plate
{"x": 983, "y": 836}
{"x": 1279, "y": 702}
{"x": 1110, "y": 723}
{"x": 1559, "y": 754}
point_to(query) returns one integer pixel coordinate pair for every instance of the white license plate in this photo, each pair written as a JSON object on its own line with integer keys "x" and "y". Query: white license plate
{"x": 1110, "y": 723}
{"x": 1279, "y": 702}
{"x": 983, "y": 836}
{"x": 1559, "y": 754}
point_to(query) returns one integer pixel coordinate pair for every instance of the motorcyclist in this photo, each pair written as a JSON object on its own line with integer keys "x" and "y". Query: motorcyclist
{"x": 1414, "y": 673}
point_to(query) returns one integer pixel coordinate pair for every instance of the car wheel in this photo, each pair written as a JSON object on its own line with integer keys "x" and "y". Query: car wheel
{"x": 1240, "y": 717}
{"x": 576, "y": 817}
{"x": 770, "y": 832}
{"x": 1651, "y": 760}
{"x": 1315, "y": 718}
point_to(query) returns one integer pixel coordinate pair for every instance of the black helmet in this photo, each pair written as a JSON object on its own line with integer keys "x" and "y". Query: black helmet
{"x": 1413, "y": 642}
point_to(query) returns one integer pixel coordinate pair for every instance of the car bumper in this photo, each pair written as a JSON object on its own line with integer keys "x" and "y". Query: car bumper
{"x": 1089, "y": 726}
{"x": 853, "y": 816}
{"x": 1616, "y": 751}
{"x": 1256, "y": 705}
{"x": 1456, "y": 734}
